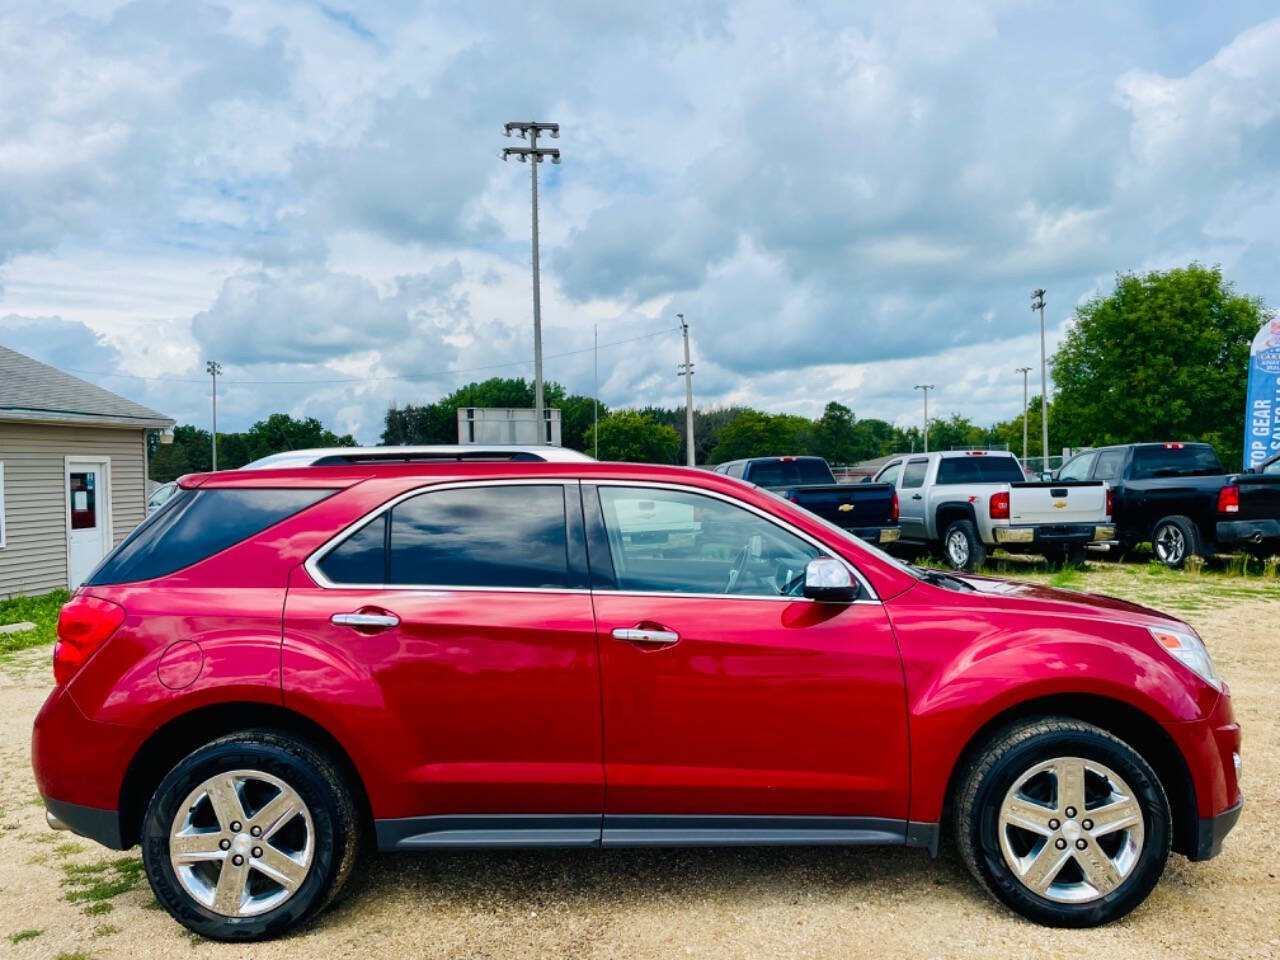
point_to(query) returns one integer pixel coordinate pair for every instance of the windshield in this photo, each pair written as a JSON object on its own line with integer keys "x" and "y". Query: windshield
{"x": 789, "y": 473}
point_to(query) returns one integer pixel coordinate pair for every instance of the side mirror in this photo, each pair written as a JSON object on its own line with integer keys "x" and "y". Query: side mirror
{"x": 827, "y": 580}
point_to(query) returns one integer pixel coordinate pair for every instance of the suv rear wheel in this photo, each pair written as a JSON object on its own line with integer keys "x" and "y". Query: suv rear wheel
{"x": 249, "y": 836}
{"x": 1064, "y": 823}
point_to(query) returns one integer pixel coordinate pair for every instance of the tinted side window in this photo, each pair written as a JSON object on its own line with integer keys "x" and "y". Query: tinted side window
{"x": 913, "y": 475}
{"x": 1109, "y": 464}
{"x": 670, "y": 541}
{"x": 362, "y": 557}
{"x": 194, "y": 525}
{"x": 1078, "y": 469}
{"x": 495, "y": 536}
{"x": 1000, "y": 469}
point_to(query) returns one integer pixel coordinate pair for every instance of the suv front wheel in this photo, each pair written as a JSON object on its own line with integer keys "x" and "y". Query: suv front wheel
{"x": 1063, "y": 822}
{"x": 249, "y": 836}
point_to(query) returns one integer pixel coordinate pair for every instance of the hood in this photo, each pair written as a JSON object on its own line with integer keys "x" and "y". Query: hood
{"x": 1113, "y": 608}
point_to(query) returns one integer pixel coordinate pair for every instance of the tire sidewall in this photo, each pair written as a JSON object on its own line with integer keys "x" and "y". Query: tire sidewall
{"x": 967, "y": 530}
{"x": 997, "y": 874}
{"x": 316, "y": 793}
{"x": 1190, "y": 540}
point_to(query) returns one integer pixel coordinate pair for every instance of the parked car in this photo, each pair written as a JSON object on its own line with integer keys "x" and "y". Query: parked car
{"x": 279, "y": 664}
{"x": 1178, "y": 497}
{"x": 963, "y": 503}
{"x": 867, "y": 510}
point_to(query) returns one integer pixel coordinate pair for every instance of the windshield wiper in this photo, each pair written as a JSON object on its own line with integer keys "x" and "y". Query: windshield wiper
{"x": 940, "y": 579}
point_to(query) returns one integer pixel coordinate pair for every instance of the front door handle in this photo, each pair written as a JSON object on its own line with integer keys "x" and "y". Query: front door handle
{"x": 916, "y": 496}
{"x": 638, "y": 635}
{"x": 367, "y": 621}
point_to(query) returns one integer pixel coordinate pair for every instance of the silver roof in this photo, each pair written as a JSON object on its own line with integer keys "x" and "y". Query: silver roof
{"x": 443, "y": 451}
{"x": 31, "y": 390}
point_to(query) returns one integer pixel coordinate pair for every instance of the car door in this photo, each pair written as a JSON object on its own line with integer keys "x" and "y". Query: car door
{"x": 450, "y": 636}
{"x": 912, "y": 505}
{"x": 734, "y": 709}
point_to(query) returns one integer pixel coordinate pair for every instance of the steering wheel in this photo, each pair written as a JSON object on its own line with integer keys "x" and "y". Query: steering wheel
{"x": 740, "y": 561}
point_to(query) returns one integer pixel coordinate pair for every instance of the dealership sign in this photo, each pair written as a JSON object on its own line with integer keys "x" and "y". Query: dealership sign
{"x": 1262, "y": 410}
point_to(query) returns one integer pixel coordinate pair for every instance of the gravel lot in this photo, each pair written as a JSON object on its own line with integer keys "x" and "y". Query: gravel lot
{"x": 823, "y": 902}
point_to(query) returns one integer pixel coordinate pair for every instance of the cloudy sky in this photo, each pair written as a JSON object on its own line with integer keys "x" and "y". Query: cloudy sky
{"x": 844, "y": 199}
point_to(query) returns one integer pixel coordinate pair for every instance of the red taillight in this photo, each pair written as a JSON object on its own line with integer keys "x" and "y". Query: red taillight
{"x": 83, "y": 626}
{"x": 999, "y": 508}
{"x": 1111, "y": 503}
{"x": 893, "y": 511}
{"x": 1229, "y": 500}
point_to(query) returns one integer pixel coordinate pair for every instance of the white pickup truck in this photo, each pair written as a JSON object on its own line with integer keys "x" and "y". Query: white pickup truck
{"x": 963, "y": 503}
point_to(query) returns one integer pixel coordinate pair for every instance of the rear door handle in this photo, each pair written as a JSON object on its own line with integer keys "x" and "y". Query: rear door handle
{"x": 366, "y": 620}
{"x": 636, "y": 635}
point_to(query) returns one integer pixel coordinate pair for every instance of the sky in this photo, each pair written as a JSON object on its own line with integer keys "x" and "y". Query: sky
{"x": 843, "y": 199}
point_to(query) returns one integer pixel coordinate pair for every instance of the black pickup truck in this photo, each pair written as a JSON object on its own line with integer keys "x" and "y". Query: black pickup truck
{"x": 1178, "y": 497}
{"x": 867, "y": 510}
{"x": 1255, "y": 521}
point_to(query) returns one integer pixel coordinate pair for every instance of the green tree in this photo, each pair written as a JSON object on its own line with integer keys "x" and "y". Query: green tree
{"x": 834, "y": 436}
{"x": 628, "y": 435}
{"x": 1010, "y": 431}
{"x": 756, "y": 434}
{"x": 1163, "y": 357}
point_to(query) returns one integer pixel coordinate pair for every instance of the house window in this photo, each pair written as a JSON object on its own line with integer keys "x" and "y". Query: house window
{"x": 2, "y": 521}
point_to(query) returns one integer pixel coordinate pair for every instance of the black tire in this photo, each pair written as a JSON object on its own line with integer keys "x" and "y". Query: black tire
{"x": 1175, "y": 538}
{"x": 994, "y": 769}
{"x": 972, "y": 555}
{"x": 316, "y": 781}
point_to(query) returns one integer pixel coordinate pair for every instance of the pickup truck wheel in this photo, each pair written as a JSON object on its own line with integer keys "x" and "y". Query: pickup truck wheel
{"x": 961, "y": 546}
{"x": 1175, "y": 538}
{"x": 1063, "y": 822}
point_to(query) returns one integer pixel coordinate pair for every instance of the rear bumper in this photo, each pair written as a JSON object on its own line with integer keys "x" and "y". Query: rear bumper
{"x": 876, "y": 534}
{"x": 102, "y": 826}
{"x": 1248, "y": 531}
{"x": 1052, "y": 534}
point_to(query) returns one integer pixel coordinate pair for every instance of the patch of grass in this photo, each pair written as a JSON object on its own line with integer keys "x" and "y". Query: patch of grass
{"x": 1068, "y": 578}
{"x": 95, "y": 882}
{"x": 22, "y": 935}
{"x": 41, "y": 610}
{"x": 73, "y": 955}
{"x": 67, "y": 848}
{"x": 105, "y": 930}
{"x": 98, "y": 908}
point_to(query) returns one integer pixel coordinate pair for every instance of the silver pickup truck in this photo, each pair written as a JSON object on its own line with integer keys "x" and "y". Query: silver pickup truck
{"x": 963, "y": 503}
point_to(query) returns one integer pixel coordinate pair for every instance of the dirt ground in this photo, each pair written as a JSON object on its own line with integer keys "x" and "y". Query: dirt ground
{"x": 822, "y": 902}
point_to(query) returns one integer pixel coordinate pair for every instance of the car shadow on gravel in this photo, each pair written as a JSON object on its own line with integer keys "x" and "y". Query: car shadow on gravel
{"x": 529, "y": 880}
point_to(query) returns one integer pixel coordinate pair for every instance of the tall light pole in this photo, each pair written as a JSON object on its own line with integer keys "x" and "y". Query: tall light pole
{"x": 1024, "y": 371}
{"x": 926, "y": 387}
{"x": 686, "y": 370}
{"x": 595, "y": 389}
{"x": 213, "y": 368}
{"x": 533, "y": 155}
{"x": 1037, "y": 303}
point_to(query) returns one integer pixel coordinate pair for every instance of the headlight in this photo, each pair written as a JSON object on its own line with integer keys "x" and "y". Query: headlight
{"x": 1185, "y": 646}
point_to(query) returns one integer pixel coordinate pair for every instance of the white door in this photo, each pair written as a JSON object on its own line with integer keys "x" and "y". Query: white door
{"x": 88, "y": 517}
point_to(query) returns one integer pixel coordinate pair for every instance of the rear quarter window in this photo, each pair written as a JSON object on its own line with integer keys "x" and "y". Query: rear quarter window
{"x": 193, "y": 525}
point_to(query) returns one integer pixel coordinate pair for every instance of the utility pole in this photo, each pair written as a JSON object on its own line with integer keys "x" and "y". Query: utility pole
{"x": 1037, "y": 303}
{"x": 1024, "y": 371}
{"x": 686, "y": 371}
{"x": 533, "y": 155}
{"x": 213, "y": 368}
{"x": 595, "y": 390}
{"x": 926, "y": 387}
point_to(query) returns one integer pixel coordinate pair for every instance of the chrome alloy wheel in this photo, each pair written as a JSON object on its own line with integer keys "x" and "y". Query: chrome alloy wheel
{"x": 1170, "y": 545}
{"x": 1071, "y": 830}
{"x": 242, "y": 843}
{"x": 958, "y": 549}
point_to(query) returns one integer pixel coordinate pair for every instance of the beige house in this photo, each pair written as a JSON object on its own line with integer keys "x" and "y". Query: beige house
{"x": 73, "y": 468}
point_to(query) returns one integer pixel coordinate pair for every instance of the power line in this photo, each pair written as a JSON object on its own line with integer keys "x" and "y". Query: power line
{"x": 404, "y": 376}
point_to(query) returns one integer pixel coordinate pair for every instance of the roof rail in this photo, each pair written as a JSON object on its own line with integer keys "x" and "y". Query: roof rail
{"x": 343, "y": 456}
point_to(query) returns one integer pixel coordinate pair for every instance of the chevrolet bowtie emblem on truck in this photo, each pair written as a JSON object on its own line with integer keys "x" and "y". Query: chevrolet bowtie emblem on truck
{"x": 845, "y": 507}
{"x": 1059, "y": 504}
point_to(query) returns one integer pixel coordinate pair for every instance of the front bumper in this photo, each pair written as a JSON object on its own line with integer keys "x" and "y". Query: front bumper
{"x": 1248, "y": 531}
{"x": 1211, "y": 831}
{"x": 1053, "y": 534}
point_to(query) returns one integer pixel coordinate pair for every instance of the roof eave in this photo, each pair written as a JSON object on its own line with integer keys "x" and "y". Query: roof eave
{"x": 69, "y": 418}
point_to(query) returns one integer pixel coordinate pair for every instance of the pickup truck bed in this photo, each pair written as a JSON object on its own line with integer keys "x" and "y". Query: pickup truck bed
{"x": 1255, "y": 524}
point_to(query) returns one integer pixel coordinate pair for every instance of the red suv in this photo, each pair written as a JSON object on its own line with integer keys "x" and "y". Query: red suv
{"x": 279, "y": 666}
